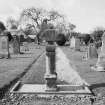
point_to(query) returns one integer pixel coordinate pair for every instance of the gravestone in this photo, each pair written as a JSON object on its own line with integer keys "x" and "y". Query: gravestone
{"x": 72, "y": 42}
{"x": 75, "y": 43}
{"x": 16, "y": 44}
{"x": 100, "y": 65}
{"x": 4, "y": 47}
{"x": 26, "y": 43}
{"x": 91, "y": 52}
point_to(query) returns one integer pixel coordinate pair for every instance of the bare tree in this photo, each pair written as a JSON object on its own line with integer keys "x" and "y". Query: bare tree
{"x": 53, "y": 15}
{"x": 71, "y": 26}
{"x": 38, "y": 16}
{"x": 11, "y": 23}
{"x": 35, "y": 14}
{"x": 97, "y": 33}
{"x": 30, "y": 29}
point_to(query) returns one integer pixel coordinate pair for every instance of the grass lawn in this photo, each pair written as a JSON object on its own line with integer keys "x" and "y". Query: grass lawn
{"x": 94, "y": 78}
{"x": 36, "y": 75}
{"x": 13, "y": 67}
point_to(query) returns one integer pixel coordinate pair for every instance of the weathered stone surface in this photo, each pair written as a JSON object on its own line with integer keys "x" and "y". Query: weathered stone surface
{"x": 16, "y": 45}
{"x": 50, "y": 35}
{"x": 72, "y": 42}
{"x": 50, "y": 76}
{"x": 92, "y": 51}
{"x": 75, "y": 43}
{"x": 4, "y": 47}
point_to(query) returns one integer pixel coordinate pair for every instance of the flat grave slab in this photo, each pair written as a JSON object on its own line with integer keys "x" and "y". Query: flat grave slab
{"x": 41, "y": 89}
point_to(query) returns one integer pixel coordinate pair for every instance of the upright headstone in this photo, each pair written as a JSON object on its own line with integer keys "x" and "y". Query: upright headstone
{"x": 4, "y": 47}
{"x": 72, "y": 42}
{"x": 50, "y": 75}
{"x": 100, "y": 65}
{"x": 16, "y": 45}
{"x": 75, "y": 43}
{"x": 92, "y": 51}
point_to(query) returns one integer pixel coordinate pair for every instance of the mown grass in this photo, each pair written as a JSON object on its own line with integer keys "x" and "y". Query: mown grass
{"x": 36, "y": 74}
{"x": 11, "y": 70}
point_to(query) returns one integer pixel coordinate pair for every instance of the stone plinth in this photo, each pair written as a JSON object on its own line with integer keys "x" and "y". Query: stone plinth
{"x": 39, "y": 89}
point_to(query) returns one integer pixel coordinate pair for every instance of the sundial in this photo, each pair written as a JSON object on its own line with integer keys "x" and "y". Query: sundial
{"x": 50, "y": 86}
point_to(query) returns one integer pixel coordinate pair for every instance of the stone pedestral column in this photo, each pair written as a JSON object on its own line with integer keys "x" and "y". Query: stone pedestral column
{"x": 50, "y": 75}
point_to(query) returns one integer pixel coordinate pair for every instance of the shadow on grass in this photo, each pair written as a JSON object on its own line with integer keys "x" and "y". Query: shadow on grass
{"x": 93, "y": 86}
{"x": 21, "y": 57}
{"x": 98, "y": 88}
{"x": 24, "y": 53}
{"x": 62, "y": 82}
{"x": 27, "y": 53}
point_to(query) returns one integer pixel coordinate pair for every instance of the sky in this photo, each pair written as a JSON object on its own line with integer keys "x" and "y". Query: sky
{"x": 85, "y": 14}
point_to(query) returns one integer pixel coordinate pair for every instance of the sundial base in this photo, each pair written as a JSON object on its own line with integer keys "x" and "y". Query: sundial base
{"x": 98, "y": 68}
{"x": 41, "y": 89}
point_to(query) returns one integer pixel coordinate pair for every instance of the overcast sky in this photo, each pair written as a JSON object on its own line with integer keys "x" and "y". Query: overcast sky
{"x": 85, "y": 14}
